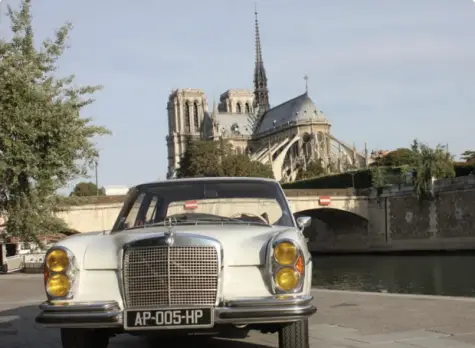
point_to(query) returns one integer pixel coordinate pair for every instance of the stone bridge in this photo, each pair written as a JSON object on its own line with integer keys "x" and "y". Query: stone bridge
{"x": 336, "y": 208}
{"x": 349, "y": 221}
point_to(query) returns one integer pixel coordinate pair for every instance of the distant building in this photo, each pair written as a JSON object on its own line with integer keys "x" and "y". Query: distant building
{"x": 116, "y": 190}
{"x": 377, "y": 154}
{"x": 288, "y": 136}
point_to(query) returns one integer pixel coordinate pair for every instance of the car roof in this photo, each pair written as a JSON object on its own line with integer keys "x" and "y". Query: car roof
{"x": 205, "y": 179}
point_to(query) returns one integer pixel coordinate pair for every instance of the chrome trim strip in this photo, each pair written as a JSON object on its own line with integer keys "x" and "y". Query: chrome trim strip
{"x": 261, "y": 315}
{"x": 72, "y": 307}
{"x": 271, "y": 301}
{"x": 80, "y": 315}
{"x": 241, "y": 311}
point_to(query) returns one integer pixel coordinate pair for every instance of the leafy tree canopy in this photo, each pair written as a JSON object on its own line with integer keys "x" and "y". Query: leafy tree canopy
{"x": 44, "y": 142}
{"x": 314, "y": 169}
{"x": 212, "y": 159}
{"x": 468, "y": 156}
{"x": 85, "y": 189}
{"x": 399, "y": 157}
{"x": 430, "y": 163}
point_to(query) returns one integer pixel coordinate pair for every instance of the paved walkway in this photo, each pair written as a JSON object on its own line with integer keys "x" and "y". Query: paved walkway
{"x": 345, "y": 320}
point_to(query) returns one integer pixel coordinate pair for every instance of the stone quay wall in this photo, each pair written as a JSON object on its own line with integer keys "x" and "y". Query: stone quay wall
{"x": 399, "y": 221}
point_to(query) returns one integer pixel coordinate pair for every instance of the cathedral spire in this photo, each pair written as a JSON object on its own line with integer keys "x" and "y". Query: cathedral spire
{"x": 261, "y": 93}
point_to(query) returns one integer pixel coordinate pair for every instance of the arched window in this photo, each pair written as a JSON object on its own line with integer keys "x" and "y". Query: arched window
{"x": 238, "y": 108}
{"x": 248, "y": 109}
{"x": 195, "y": 117}
{"x": 187, "y": 117}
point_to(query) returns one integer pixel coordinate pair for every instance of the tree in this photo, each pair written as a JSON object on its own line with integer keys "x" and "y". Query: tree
{"x": 211, "y": 158}
{"x": 202, "y": 158}
{"x": 314, "y": 169}
{"x": 399, "y": 157}
{"x": 85, "y": 189}
{"x": 468, "y": 156}
{"x": 241, "y": 165}
{"x": 44, "y": 141}
{"x": 430, "y": 163}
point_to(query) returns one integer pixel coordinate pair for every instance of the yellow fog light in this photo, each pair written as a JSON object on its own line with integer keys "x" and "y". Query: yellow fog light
{"x": 285, "y": 253}
{"x": 57, "y": 260}
{"x": 287, "y": 279}
{"x": 58, "y": 285}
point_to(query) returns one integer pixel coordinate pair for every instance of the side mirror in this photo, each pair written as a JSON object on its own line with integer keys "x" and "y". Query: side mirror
{"x": 304, "y": 221}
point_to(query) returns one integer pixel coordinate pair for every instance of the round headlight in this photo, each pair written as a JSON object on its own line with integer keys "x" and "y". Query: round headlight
{"x": 287, "y": 278}
{"x": 58, "y": 285}
{"x": 285, "y": 253}
{"x": 57, "y": 260}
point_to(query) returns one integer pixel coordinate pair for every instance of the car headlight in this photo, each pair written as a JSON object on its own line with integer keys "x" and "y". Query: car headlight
{"x": 287, "y": 278}
{"x": 58, "y": 285}
{"x": 57, "y": 260}
{"x": 285, "y": 253}
{"x": 287, "y": 266}
{"x": 60, "y": 273}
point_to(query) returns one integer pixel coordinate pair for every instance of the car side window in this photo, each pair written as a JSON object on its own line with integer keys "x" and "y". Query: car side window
{"x": 132, "y": 216}
{"x": 151, "y": 211}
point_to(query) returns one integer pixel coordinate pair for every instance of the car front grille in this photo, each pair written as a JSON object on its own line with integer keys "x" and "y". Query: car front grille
{"x": 170, "y": 276}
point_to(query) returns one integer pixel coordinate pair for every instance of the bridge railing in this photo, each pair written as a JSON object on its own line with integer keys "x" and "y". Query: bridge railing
{"x": 325, "y": 192}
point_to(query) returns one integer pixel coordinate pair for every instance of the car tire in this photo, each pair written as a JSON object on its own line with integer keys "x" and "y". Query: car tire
{"x": 294, "y": 335}
{"x": 84, "y": 338}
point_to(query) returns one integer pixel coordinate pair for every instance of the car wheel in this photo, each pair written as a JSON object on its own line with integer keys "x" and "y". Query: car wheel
{"x": 84, "y": 338}
{"x": 294, "y": 335}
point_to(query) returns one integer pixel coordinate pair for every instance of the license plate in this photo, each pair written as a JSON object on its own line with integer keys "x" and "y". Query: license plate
{"x": 168, "y": 318}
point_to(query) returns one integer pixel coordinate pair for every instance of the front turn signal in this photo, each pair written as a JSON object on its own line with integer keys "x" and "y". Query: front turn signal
{"x": 300, "y": 265}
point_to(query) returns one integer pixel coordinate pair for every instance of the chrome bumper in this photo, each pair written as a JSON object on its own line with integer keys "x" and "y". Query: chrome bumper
{"x": 238, "y": 312}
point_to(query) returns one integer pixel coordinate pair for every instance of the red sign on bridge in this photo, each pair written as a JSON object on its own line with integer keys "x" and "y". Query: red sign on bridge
{"x": 324, "y": 200}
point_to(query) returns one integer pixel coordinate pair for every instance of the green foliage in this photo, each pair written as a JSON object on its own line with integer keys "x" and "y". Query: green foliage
{"x": 44, "y": 142}
{"x": 422, "y": 161}
{"x": 390, "y": 176}
{"x": 204, "y": 158}
{"x": 431, "y": 163}
{"x": 400, "y": 157}
{"x": 361, "y": 179}
{"x": 314, "y": 170}
{"x": 85, "y": 189}
{"x": 468, "y": 156}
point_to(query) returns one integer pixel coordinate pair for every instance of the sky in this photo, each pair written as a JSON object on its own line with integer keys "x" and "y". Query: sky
{"x": 383, "y": 72}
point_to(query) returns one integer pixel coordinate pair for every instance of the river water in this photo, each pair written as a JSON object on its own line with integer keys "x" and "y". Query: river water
{"x": 443, "y": 274}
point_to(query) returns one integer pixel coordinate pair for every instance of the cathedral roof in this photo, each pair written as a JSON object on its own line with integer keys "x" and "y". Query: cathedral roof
{"x": 237, "y": 124}
{"x": 296, "y": 110}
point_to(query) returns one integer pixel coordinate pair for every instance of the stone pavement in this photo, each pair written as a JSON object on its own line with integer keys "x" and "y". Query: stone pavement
{"x": 344, "y": 320}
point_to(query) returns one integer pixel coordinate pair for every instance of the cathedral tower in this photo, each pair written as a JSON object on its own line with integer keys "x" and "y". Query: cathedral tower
{"x": 186, "y": 110}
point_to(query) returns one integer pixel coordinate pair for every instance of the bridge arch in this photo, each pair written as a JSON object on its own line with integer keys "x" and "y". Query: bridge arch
{"x": 334, "y": 225}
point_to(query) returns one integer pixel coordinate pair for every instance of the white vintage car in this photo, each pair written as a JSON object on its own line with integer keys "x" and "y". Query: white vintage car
{"x": 202, "y": 256}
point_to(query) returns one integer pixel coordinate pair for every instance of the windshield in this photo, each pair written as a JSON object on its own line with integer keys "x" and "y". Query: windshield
{"x": 205, "y": 202}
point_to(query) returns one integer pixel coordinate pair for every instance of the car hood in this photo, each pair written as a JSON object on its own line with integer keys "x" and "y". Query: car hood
{"x": 242, "y": 246}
